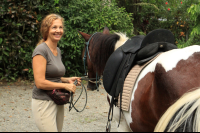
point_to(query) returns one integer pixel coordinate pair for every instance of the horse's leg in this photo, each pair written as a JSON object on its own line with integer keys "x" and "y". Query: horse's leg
{"x": 123, "y": 126}
{"x": 92, "y": 84}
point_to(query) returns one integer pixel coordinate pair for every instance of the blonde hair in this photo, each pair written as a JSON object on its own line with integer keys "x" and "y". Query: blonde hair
{"x": 46, "y": 24}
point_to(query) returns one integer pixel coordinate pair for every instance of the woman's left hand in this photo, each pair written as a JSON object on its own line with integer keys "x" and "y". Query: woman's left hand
{"x": 73, "y": 79}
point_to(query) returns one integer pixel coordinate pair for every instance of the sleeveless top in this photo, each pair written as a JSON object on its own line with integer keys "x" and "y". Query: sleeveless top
{"x": 54, "y": 69}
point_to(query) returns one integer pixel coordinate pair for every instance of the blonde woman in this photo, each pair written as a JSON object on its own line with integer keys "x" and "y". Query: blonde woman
{"x": 48, "y": 71}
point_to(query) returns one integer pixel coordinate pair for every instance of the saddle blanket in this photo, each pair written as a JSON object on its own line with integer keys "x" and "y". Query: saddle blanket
{"x": 129, "y": 84}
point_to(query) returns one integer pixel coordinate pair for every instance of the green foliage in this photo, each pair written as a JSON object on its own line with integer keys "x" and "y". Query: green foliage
{"x": 194, "y": 19}
{"x": 194, "y": 12}
{"x": 168, "y": 14}
{"x": 89, "y": 16}
{"x": 19, "y": 31}
{"x": 18, "y": 27}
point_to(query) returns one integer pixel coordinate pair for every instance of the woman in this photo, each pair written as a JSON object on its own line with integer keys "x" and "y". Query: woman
{"x": 48, "y": 71}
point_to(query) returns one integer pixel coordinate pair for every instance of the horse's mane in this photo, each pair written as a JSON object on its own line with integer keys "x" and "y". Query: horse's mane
{"x": 102, "y": 46}
{"x": 183, "y": 116}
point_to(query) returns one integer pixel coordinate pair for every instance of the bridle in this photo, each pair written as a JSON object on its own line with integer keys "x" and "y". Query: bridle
{"x": 85, "y": 63}
{"x": 72, "y": 104}
{"x": 87, "y": 52}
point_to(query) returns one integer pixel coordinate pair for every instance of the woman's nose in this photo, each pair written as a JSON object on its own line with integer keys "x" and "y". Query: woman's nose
{"x": 57, "y": 29}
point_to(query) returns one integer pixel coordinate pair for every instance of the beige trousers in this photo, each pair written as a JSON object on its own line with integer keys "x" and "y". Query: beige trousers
{"x": 48, "y": 116}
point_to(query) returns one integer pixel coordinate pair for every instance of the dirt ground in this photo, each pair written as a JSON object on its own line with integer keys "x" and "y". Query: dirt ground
{"x": 16, "y": 114}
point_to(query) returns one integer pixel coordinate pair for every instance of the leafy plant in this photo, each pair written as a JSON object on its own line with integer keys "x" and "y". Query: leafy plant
{"x": 153, "y": 14}
{"x": 195, "y": 16}
{"x": 20, "y": 23}
{"x": 88, "y": 16}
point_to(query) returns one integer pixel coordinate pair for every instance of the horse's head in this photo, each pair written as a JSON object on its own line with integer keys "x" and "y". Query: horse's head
{"x": 97, "y": 50}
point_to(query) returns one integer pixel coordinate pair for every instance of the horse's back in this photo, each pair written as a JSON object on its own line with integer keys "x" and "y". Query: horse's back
{"x": 160, "y": 84}
{"x": 175, "y": 61}
{"x": 183, "y": 76}
{"x": 170, "y": 59}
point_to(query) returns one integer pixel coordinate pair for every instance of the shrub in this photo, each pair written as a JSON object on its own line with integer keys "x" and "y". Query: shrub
{"x": 19, "y": 31}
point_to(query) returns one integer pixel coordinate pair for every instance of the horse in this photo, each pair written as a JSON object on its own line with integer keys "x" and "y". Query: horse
{"x": 93, "y": 71}
{"x": 166, "y": 95}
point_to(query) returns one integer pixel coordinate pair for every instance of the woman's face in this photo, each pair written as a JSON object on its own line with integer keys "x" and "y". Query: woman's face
{"x": 56, "y": 30}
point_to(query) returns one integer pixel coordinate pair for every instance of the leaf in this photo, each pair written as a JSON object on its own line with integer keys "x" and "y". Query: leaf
{"x": 19, "y": 35}
{"x": 1, "y": 40}
{"x": 13, "y": 78}
{"x": 6, "y": 53}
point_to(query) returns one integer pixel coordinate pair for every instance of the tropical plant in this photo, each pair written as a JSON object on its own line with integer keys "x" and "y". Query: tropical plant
{"x": 168, "y": 14}
{"x": 194, "y": 12}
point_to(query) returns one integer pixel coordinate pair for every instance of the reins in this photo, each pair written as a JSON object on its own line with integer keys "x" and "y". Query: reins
{"x": 72, "y": 105}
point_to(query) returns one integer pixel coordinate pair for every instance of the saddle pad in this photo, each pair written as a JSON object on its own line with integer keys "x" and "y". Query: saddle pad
{"x": 129, "y": 85}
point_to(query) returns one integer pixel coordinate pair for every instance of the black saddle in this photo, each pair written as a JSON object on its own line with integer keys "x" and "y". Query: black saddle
{"x": 120, "y": 60}
{"x": 138, "y": 50}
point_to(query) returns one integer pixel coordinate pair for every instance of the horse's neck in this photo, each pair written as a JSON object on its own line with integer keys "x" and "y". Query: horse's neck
{"x": 121, "y": 41}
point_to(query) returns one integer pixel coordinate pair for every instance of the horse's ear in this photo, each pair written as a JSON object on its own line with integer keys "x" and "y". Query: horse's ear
{"x": 106, "y": 30}
{"x": 85, "y": 36}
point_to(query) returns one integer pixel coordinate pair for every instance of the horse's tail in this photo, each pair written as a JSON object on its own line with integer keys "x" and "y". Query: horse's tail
{"x": 184, "y": 115}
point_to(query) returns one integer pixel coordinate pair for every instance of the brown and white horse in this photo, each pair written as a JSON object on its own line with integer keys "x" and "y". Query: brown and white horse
{"x": 166, "y": 96}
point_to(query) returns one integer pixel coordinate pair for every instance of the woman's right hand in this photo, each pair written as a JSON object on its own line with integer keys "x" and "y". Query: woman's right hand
{"x": 70, "y": 87}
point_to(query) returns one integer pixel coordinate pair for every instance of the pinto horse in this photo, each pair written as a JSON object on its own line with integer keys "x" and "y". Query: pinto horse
{"x": 166, "y": 95}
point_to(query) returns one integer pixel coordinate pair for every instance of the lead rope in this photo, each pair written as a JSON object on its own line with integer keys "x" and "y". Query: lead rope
{"x": 72, "y": 105}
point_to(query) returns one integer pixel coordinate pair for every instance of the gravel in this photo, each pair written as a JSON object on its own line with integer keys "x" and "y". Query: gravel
{"x": 16, "y": 114}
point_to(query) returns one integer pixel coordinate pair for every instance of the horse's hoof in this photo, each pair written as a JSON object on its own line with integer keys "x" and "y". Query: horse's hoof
{"x": 89, "y": 89}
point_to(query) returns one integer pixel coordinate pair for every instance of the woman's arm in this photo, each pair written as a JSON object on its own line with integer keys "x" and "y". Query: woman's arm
{"x": 71, "y": 80}
{"x": 64, "y": 79}
{"x": 39, "y": 69}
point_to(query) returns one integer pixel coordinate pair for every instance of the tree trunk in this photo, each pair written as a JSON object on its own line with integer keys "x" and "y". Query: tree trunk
{"x": 131, "y": 7}
{"x": 135, "y": 9}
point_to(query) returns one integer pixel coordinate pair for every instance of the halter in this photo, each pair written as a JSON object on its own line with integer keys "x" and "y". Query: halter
{"x": 87, "y": 51}
{"x": 85, "y": 57}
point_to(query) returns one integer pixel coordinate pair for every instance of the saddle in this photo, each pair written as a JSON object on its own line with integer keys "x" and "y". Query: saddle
{"x": 136, "y": 51}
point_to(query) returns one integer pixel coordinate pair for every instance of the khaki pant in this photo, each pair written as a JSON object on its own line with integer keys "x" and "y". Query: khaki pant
{"x": 48, "y": 116}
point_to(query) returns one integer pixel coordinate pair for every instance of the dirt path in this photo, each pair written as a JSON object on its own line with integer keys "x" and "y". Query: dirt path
{"x": 16, "y": 114}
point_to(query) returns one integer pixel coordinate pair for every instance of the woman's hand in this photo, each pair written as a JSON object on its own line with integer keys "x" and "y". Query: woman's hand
{"x": 70, "y": 87}
{"x": 73, "y": 79}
